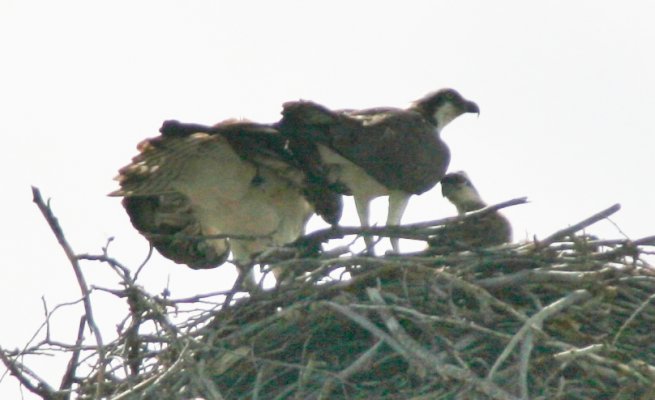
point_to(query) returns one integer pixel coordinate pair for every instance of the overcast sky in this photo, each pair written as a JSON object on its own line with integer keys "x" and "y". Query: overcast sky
{"x": 566, "y": 91}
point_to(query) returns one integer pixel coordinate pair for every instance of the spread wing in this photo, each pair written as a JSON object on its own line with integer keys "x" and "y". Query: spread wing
{"x": 236, "y": 178}
{"x": 264, "y": 146}
{"x": 397, "y": 148}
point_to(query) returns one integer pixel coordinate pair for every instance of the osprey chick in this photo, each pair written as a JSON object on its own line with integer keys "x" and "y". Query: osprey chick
{"x": 487, "y": 230}
{"x": 377, "y": 152}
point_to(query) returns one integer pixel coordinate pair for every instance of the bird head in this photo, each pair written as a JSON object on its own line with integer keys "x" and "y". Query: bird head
{"x": 459, "y": 190}
{"x": 443, "y": 106}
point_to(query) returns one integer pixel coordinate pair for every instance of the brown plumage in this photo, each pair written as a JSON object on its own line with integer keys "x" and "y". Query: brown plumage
{"x": 236, "y": 178}
{"x": 488, "y": 230}
{"x": 377, "y": 152}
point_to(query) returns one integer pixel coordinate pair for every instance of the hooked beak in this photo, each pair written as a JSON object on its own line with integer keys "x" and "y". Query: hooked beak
{"x": 472, "y": 108}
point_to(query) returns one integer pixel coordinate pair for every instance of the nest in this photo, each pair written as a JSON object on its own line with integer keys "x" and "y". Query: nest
{"x": 567, "y": 317}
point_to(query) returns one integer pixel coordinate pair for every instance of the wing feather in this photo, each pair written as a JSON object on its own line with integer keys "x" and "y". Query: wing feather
{"x": 236, "y": 178}
{"x": 398, "y": 148}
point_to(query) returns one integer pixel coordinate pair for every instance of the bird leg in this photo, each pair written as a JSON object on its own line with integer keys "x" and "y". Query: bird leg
{"x": 246, "y": 279}
{"x": 363, "y": 207}
{"x": 398, "y": 201}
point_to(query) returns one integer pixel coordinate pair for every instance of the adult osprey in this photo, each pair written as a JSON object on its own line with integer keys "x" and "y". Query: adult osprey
{"x": 380, "y": 151}
{"x": 487, "y": 230}
{"x": 235, "y": 178}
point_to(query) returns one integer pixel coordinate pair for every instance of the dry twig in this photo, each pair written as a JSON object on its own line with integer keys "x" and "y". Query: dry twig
{"x": 440, "y": 326}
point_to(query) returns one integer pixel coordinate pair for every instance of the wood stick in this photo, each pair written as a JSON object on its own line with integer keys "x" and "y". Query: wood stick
{"x": 72, "y": 258}
{"x": 574, "y": 228}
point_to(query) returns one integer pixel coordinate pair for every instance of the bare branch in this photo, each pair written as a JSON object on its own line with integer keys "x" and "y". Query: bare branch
{"x": 527, "y": 345}
{"x": 631, "y": 318}
{"x": 472, "y": 215}
{"x": 347, "y": 325}
{"x": 42, "y": 388}
{"x": 574, "y": 228}
{"x": 535, "y": 321}
{"x": 69, "y": 375}
{"x": 148, "y": 385}
{"x": 537, "y": 276}
{"x": 448, "y": 371}
{"x": 72, "y": 258}
{"x": 358, "y": 365}
{"x": 408, "y": 231}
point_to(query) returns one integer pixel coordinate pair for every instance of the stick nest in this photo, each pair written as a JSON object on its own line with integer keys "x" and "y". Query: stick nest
{"x": 568, "y": 317}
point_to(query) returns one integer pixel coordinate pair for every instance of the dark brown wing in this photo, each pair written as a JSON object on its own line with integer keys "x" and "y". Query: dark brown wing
{"x": 259, "y": 143}
{"x": 398, "y": 148}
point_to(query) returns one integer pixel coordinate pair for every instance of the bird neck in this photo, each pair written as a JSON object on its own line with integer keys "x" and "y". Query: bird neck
{"x": 444, "y": 115}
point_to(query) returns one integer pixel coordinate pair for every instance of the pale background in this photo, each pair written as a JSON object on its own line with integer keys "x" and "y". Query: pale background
{"x": 566, "y": 91}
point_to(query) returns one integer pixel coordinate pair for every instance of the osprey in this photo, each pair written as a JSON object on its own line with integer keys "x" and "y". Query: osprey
{"x": 487, "y": 230}
{"x": 235, "y": 179}
{"x": 377, "y": 152}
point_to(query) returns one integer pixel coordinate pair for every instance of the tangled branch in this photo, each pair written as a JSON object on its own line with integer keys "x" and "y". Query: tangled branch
{"x": 568, "y": 316}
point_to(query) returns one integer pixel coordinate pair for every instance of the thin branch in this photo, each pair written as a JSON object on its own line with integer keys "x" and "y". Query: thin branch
{"x": 123, "y": 271}
{"x": 72, "y": 258}
{"x": 524, "y": 363}
{"x": 149, "y": 384}
{"x": 145, "y": 261}
{"x": 573, "y": 353}
{"x": 452, "y": 372}
{"x": 632, "y": 316}
{"x": 369, "y": 326}
{"x": 394, "y": 326}
{"x": 532, "y": 276}
{"x": 432, "y": 361}
{"x": 469, "y": 215}
{"x": 197, "y": 298}
{"x": 481, "y": 294}
{"x": 574, "y": 228}
{"x": 47, "y": 318}
{"x": 444, "y": 314}
{"x": 408, "y": 231}
{"x": 645, "y": 241}
{"x": 361, "y": 363}
{"x": 536, "y": 321}
{"x": 69, "y": 375}
{"x": 43, "y": 389}
{"x": 206, "y": 383}
{"x": 47, "y": 322}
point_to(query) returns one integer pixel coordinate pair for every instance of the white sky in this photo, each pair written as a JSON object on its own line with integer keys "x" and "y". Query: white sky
{"x": 566, "y": 91}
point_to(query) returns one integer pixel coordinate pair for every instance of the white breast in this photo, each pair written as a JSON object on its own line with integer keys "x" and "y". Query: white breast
{"x": 353, "y": 176}
{"x": 227, "y": 199}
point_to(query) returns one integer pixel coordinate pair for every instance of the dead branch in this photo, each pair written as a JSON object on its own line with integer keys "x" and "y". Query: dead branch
{"x": 568, "y": 316}
{"x": 17, "y": 369}
{"x": 72, "y": 258}
{"x": 577, "y": 227}
{"x": 407, "y": 231}
{"x": 536, "y": 321}
{"x": 69, "y": 375}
